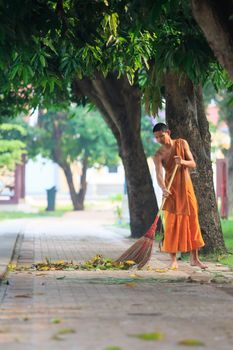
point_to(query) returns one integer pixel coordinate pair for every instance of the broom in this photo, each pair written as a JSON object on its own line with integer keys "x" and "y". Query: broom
{"x": 140, "y": 251}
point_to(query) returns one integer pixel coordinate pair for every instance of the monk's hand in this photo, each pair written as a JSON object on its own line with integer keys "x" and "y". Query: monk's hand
{"x": 166, "y": 193}
{"x": 178, "y": 160}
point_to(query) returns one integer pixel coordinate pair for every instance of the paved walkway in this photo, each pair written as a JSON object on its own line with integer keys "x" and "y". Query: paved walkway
{"x": 99, "y": 310}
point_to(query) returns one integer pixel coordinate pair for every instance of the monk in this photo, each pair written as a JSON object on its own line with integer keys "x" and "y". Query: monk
{"x": 182, "y": 231}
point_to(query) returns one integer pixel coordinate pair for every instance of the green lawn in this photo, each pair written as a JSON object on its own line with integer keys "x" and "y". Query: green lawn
{"x": 42, "y": 213}
{"x": 227, "y": 227}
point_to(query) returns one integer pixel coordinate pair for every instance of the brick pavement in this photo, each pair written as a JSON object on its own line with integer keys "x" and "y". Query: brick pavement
{"x": 104, "y": 309}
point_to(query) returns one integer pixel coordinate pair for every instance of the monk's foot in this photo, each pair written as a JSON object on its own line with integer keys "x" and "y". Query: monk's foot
{"x": 198, "y": 263}
{"x": 173, "y": 266}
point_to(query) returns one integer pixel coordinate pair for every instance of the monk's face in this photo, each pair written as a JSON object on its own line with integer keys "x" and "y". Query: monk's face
{"x": 163, "y": 137}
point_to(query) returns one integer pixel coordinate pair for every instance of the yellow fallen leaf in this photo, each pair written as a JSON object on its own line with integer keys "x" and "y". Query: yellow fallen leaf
{"x": 11, "y": 267}
{"x": 191, "y": 342}
{"x": 44, "y": 268}
{"x": 134, "y": 275}
{"x": 131, "y": 285}
{"x": 161, "y": 270}
{"x": 130, "y": 262}
{"x": 149, "y": 336}
{"x": 59, "y": 262}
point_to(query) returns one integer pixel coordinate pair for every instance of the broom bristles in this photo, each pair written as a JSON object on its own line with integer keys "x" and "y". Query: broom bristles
{"x": 139, "y": 252}
{"x": 132, "y": 250}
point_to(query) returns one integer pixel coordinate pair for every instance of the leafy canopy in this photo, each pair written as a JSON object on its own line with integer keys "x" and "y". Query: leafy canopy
{"x": 46, "y": 45}
{"x": 11, "y": 145}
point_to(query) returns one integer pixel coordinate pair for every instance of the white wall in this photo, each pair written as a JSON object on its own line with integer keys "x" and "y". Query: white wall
{"x": 40, "y": 175}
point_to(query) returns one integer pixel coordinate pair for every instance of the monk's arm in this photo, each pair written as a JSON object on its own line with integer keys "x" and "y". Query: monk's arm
{"x": 188, "y": 162}
{"x": 159, "y": 174}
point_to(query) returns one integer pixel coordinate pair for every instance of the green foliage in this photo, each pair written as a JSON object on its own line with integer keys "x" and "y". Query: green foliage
{"x": 77, "y": 134}
{"x": 12, "y": 146}
{"x": 46, "y": 45}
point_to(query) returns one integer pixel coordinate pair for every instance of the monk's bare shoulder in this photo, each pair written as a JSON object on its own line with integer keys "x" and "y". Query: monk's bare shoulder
{"x": 158, "y": 156}
{"x": 185, "y": 143}
{"x": 188, "y": 153}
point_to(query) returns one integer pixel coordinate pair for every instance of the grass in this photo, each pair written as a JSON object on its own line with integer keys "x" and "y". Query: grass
{"x": 227, "y": 227}
{"x": 42, "y": 213}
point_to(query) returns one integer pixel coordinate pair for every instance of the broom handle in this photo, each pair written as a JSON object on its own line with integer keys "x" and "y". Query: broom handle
{"x": 168, "y": 188}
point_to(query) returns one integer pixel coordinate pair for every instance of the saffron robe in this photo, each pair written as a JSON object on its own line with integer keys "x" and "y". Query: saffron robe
{"x": 182, "y": 230}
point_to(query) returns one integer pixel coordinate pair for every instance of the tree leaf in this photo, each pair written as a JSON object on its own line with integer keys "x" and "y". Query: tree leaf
{"x": 55, "y": 320}
{"x": 191, "y": 342}
{"x": 149, "y": 336}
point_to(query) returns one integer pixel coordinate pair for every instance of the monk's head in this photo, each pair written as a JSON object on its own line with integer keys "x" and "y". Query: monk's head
{"x": 161, "y": 133}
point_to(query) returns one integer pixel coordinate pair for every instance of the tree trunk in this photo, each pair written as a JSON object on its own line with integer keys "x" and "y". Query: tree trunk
{"x": 120, "y": 105}
{"x": 214, "y": 18}
{"x": 83, "y": 183}
{"x": 70, "y": 182}
{"x": 186, "y": 119}
{"x": 229, "y": 122}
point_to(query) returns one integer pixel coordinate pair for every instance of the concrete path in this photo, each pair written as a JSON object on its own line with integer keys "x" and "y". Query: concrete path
{"x": 100, "y": 310}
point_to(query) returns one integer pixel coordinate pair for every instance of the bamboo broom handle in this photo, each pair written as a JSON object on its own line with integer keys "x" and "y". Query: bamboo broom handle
{"x": 168, "y": 188}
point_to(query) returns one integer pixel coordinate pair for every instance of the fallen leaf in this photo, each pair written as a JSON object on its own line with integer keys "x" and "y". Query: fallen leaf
{"x": 55, "y": 320}
{"x": 130, "y": 262}
{"x": 149, "y": 336}
{"x": 161, "y": 270}
{"x": 24, "y": 318}
{"x": 60, "y": 278}
{"x": 191, "y": 342}
{"x": 134, "y": 275}
{"x": 11, "y": 267}
{"x": 98, "y": 262}
{"x": 44, "y": 268}
{"x": 22, "y": 296}
{"x": 66, "y": 331}
{"x": 62, "y": 331}
{"x": 130, "y": 285}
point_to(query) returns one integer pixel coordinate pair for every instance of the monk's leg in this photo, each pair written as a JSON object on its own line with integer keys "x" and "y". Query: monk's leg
{"x": 195, "y": 261}
{"x": 173, "y": 265}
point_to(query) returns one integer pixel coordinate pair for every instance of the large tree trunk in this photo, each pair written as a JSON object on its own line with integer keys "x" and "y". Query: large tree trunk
{"x": 76, "y": 198}
{"x": 214, "y": 18}
{"x": 229, "y": 122}
{"x": 186, "y": 118}
{"x": 120, "y": 105}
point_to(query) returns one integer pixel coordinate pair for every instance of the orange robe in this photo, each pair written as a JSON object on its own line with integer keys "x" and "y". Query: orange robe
{"x": 182, "y": 230}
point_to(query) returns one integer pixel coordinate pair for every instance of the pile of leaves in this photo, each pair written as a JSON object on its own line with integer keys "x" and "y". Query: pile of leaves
{"x": 98, "y": 262}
